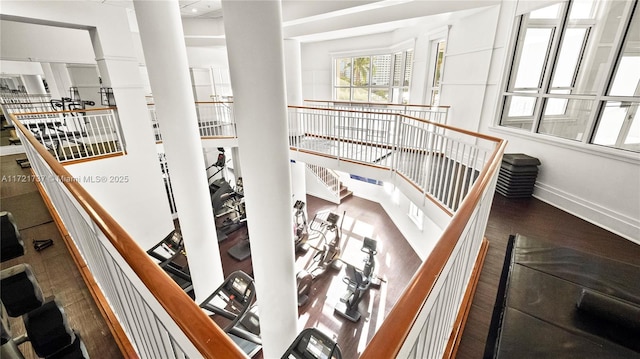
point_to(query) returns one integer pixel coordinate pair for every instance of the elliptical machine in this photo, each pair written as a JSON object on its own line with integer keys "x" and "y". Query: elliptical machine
{"x": 358, "y": 282}
{"x": 327, "y": 254}
{"x": 300, "y": 228}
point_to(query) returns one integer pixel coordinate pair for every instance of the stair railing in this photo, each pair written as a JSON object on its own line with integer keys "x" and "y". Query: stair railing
{"x": 327, "y": 177}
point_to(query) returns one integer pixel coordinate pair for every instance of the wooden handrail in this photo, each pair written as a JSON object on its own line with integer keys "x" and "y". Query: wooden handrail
{"x": 206, "y": 336}
{"x": 377, "y": 103}
{"x": 388, "y": 340}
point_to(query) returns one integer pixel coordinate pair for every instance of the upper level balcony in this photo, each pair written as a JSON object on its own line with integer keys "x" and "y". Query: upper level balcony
{"x": 452, "y": 171}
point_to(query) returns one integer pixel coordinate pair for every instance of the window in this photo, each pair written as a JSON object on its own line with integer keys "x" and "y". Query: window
{"x": 377, "y": 78}
{"x": 416, "y": 215}
{"x": 438, "y": 65}
{"x": 575, "y": 73}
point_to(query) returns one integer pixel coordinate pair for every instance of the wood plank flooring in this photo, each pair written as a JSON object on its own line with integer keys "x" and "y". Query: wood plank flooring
{"x": 529, "y": 217}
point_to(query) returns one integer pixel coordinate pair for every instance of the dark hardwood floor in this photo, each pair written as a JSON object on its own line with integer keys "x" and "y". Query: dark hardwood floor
{"x": 529, "y": 217}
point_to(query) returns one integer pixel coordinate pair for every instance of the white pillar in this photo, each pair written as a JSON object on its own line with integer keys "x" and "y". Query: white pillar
{"x": 33, "y": 84}
{"x": 63, "y": 80}
{"x": 51, "y": 80}
{"x": 256, "y": 61}
{"x": 293, "y": 68}
{"x": 166, "y": 59}
{"x": 235, "y": 158}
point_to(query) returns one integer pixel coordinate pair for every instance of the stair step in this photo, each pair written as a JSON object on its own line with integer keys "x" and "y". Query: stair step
{"x": 345, "y": 194}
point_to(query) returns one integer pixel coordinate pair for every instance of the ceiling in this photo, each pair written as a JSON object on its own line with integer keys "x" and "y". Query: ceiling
{"x": 320, "y": 20}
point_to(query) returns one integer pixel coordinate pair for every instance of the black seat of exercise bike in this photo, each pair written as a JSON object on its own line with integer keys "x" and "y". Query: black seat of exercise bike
{"x": 369, "y": 245}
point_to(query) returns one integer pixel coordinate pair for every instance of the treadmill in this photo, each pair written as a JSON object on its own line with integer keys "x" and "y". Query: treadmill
{"x": 234, "y": 309}
{"x": 313, "y": 344}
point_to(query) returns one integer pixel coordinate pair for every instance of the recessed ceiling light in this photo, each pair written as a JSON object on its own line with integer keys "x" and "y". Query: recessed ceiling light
{"x": 194, "y": 10}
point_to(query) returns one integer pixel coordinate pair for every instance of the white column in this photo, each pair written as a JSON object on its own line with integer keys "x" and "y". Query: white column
{"x": 165, "y": 53}
{"x": 62, "y": 79}
{"x": 33, "y": 84}
{"x": 51, "y": 80}
{"x": 235, "y": 158}
{"x": 293, "y": 68}
{"x": 256, "y": 61}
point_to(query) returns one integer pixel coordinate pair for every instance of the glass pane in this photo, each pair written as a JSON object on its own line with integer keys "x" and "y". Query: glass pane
{"x": 632, "y": 141}
{"x": 381, "y": 70}
{"x": 532, "y": 58}
{"x": 361, "y": 69}
{"x": 570, "y": 54}
{"x": 583, "y": 9}
{"x": 360, "y": 94}
{"x": 397, "y": 68}
{"x": 557, "y": 106}
{"x": 518, "y": 111}
{"x": 520, "y": 106}
{"x": 549, "y": 12}
{"x": 380, "y": 95}
{"x": 600, "y": 47}
{"x": 439, "y": 61}
{"x": 619, "y": 126}
{"x": 342, "y": 94}
{"x": 408, "y": 64}
{"x": 627, "y": 78}
{"x": 343, "y": 72}
{"x": 572, "y": 124}
{"x": 435, "y": 97}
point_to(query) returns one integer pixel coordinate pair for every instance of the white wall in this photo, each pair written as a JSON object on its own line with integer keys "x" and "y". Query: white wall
{"x": 8, "y": 67}
{"x": 466, "y": 67}
{"x": 40, "y": 43}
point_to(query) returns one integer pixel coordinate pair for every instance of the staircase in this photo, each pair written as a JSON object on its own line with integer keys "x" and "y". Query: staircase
{"x": 331, "y": 181}
{"x": 344, "y": 192}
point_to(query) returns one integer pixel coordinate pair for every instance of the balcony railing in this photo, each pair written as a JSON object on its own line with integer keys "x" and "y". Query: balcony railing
{"x": 436, "y": 114}
{"x": 215, "y": 120}
{"x": 78, "y": 134}
{"x": 454, "y": 168}
{"x": 439, "y": 160}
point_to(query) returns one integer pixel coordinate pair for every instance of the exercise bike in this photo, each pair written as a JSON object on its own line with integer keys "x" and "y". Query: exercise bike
{"x": 300, "y": 228}
{"x": 358, "y": 282}
{"x": 327, "y": 254}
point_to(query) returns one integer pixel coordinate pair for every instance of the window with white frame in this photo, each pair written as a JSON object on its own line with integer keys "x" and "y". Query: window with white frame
{"x": 438, "y": 48}
{"x": 575, "y": 73}
{"x": 373, "y": 78}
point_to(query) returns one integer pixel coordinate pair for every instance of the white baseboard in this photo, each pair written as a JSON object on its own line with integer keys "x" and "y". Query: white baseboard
{"x": 606, "y": 218}
{"x": 11, "y": 150}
